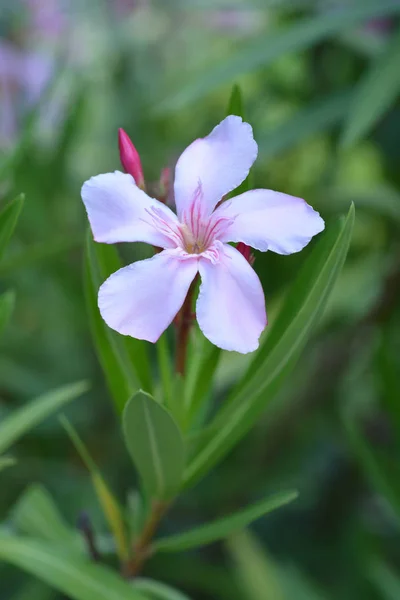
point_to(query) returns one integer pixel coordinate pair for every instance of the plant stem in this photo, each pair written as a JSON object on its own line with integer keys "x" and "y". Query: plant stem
{"x": 185, "y": 320}
{"x": 142, "y": 546}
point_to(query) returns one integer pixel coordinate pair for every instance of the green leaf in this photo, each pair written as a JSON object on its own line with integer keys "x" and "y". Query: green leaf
{"x": 315, "y": 118}
{"x": 6, "y": 461}
{"x": 255, "y": 572}
{"x": 34, "y": 590}
{"x": 124, "y": 359}
{"x": 37, "y": 515}
{"x": 282, "y": 348}
{"x": 154, "y": 590}
{"x": 201, "y": 377}
{"x": 385, "y": 580}
{"x": 382, "y": 475}
{"x": 7, "y": 302}
{"x": 377, "y": 90}
{"x": 222, "y": 528}
{"x": 235, "y": 105}
{"x": 266, "y": 48}
{"x": 155, "y": 444}
{"x": 27, "y": 417}
{"x": 166, "y": 370}
{"x": 106, "y": 498}
{"x": 8, "y": 220}
{"x": 65, "y": 572}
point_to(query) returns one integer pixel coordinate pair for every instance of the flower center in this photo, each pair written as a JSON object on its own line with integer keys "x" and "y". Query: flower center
{"x": 191, "y": 244}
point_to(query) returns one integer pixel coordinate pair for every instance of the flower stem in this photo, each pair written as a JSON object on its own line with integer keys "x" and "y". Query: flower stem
{"x": 185, "y": 321}
{"x": 142, "y": 546}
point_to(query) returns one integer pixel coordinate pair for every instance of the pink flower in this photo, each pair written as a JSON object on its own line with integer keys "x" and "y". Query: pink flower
{"x": 141, "y": 300}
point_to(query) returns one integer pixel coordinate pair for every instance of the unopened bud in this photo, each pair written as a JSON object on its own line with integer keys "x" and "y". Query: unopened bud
{"x": 130, "y": 158}
{"x": 247, "y": 253}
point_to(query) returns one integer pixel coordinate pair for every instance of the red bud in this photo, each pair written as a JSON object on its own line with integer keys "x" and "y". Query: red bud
{"x": 130, "y": 158}
{"x": 246, "y": 251}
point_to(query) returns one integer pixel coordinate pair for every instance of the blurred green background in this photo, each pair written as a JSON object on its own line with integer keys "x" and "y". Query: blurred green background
{"x": 320, "y": 82}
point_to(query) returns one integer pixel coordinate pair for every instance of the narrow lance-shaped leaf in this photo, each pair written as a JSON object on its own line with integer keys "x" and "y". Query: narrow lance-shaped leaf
{"x": 154, "y": 590}
{"x": 383, "y": 476}
{"x": 106, "y": 498}
{"x": 27, "y": 417}
{"x": 65, "y": 572}
{"x": 254, "y": 572}
{"x": 377, "y": 90}
{"x": 222, "y": 528}
{"x": 37, "y": 515}
{"x": 235, "y": 104}
{"x": 265, "y": 49}
{"x": 165, "y": 370}
{"x": 8, "y": 220}
{"x": 7, "y": 302}
{"x": 155, "y": 444}
{"x": 278, "y": 355}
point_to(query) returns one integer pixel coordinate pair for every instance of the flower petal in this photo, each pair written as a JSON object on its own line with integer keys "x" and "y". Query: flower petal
{"x": 217, "y": 163}
{"x": 141, "y": 300}
{"x": 230, "y": 307}
{"x": 119, "y": 211}
{"x": 269, "y": 220}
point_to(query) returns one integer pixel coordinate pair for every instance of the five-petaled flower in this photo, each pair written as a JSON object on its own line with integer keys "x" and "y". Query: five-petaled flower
{"x": 142, "y": 299}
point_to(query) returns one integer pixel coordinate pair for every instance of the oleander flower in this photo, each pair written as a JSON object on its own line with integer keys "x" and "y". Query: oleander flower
{"x": 142, "y": 299}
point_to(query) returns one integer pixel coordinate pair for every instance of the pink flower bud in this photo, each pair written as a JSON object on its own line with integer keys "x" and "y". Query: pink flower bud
{"x": 130, "y": 158}
{"x": 247, "y": 253}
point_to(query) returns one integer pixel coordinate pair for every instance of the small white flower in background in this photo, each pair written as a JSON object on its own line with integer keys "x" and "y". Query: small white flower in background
{"x": 142, "y": 299}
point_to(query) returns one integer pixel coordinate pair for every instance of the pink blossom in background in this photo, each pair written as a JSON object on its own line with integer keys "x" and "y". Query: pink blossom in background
{"x": 239, "y": 21}
{"x": 23, "y": 77}
{"x": 125, "y": 7}
{"x": 142, "y": 299}
{"x": 47, "y": 18}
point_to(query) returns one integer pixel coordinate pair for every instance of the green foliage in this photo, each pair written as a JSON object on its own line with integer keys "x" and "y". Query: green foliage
{"x": 27, "y": 417}
{"x": 378, "y": 89}
{"x": 155, "y": 444}
{"x": 37, "y": 515}
{"x": 8, "y": 220}
{"x": 260, "y": 578}
{"x": 315, "y": 118}
{"x": 108, "y": 502}
{"x": 222, "y": 528}
{"x": 155, "y": 590}
{"x": 65, "y": 571}
{"x": 7, "y": 302}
